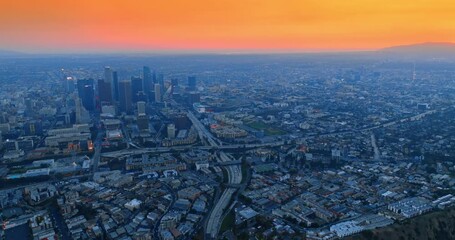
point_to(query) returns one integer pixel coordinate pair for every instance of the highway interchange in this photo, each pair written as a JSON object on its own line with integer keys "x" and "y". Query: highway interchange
{"x": 234, "y": 172}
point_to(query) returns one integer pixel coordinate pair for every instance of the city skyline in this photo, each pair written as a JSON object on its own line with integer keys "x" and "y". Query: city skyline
{"x": 221, "y": 26}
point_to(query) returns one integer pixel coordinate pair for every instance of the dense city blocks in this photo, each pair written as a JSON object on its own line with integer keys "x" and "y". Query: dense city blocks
{"x": 299, "y": 146}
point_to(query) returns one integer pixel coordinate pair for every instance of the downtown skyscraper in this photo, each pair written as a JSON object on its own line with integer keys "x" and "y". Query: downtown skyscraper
{"x": 125, "y": 98}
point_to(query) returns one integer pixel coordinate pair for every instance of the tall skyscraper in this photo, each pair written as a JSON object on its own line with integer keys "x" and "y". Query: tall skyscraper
{"x": 81, "y": 84}
{"x": 125, "y": 100}
{"x": 136, "y": 87}
{"x": 154, "y": 77}
{"x": 89, "y": 98}
{"x": 148, "y": 80}
{"x": 157, "y": 92}
{"x": 160, "y": 80}
{"x": 29, "y": 106}
{"x": 192, "y": 83}
{"x": 140, "y": 96}
{"x": 143, "y": 122}
{"x": 81, "y": 115}
{"x": 78, "y": 110}
{"x": 86, "y": 93}
{"x": 108, "y": 74}
{"x": 69, "y": 84}
{"x": 140, "y": 107}
{"x": 104, "y": 91}
{"x": 109, "y": 79}
{"x": 115, "y": 85}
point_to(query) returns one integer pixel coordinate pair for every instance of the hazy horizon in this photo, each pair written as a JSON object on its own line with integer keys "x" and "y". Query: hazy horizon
{"x": 216, "y": 51}
{"x": 49, "y": 26}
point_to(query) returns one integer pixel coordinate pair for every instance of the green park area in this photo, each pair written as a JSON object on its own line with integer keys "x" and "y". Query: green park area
{"x": 268, "y": 130}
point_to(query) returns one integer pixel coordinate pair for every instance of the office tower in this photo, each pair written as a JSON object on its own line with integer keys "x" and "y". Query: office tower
{"x": 140, "y": 96}
{"x": 143, "y": 122}
{"x": 140, "y": 107}
{"x": 86, "y": 93}
{"x": 29, "y": 104}
{"x": 154, "y": 78}
{"x": 160, "y": 80}
{"x": 157, "y": 92}
{"x": 33, "y": 128}
{"x": 174, "y": 87}
{"x": 69, "y": 84}
{"x": 148, "y": 80}
{"x": 81, "y": 84}
{"x": 192, "y": 83}
{"x": 194, "y": 97}
{"x": 151, "y": 96}
{"x": 125, "y": 100}
{"x": 78, "y": 110}
{"x": 136, "y": 87}
{"x": 108, "y": 74}
{"x": 115, "y": 85}
{"x": 142, "y": 118}
{"x": 109, "y": 79}
{"x": 88, "y": 101}
{"x": 171, "y": 131}
{"x": 104, "y": 91}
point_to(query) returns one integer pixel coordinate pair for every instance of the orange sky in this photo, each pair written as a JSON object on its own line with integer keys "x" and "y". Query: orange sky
{"x": 196, "y": 25}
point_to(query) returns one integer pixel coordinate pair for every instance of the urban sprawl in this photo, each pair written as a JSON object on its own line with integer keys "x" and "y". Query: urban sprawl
{"x": 319, "y": 149}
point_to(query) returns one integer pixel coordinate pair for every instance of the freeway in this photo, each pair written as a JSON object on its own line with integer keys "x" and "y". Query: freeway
{"x": 202, "y": 131}
{"x": 412, "y": 118}
{"x": 383, "y": 125}
{"x": 96, "y": 158}
{"x": 126, "y": 152}
{"x": 216, "y": 215}
{"x": 214, "y": 221}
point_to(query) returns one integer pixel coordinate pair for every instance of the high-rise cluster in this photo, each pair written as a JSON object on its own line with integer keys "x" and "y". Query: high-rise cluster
{"x": 113, "y": 96}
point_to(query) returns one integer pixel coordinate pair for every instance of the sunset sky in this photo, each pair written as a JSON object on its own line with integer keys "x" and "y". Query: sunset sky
{"x": 221, "y": 25}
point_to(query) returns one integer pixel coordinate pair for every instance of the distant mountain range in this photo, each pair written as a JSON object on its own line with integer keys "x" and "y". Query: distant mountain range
{"x": 429, "y": 49}
{"x": 9, "y": 53}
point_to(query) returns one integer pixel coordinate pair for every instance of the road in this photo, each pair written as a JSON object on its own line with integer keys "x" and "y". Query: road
{"x": 96, "y": 158}
{"x": 204, "y": 134}
{"x": 95, "y": 161}
{"x": 375, "y": 147}
{"x": 214, "y": 221}
{"x": 216, "y": 215}
{"x": 412, "y": 118}
{"x": 234, "y": 176}
{"x": 157, "y": 224}
{"x": 126, "y": 152}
